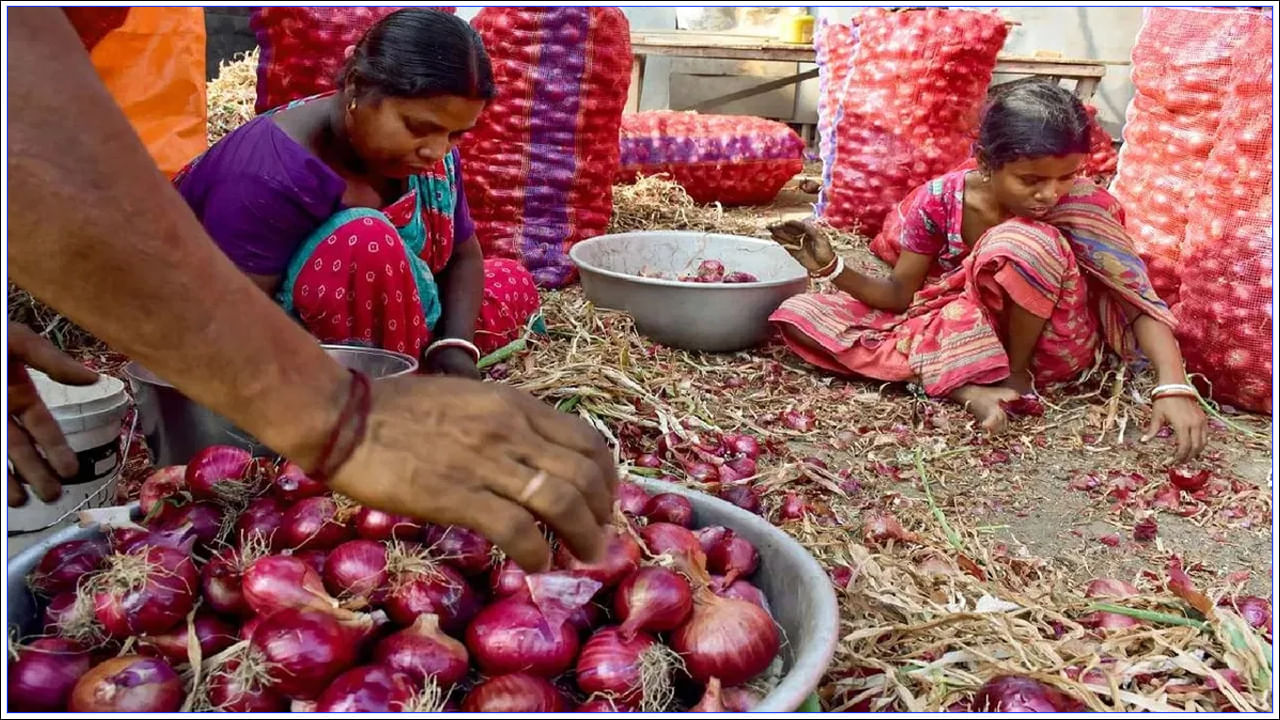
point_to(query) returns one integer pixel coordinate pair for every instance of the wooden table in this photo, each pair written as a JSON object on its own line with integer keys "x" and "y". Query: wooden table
{"x": 725, "y": 46}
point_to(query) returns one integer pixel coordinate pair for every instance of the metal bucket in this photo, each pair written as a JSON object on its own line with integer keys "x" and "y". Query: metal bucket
{"x": 177, "y": 428}
{"x": 711, "y": 317}
{"x": 795, "y": 585}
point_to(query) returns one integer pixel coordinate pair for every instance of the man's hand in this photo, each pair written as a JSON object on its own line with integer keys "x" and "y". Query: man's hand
{"x": 37, "y": 449}
{"x": 487, "y": 457}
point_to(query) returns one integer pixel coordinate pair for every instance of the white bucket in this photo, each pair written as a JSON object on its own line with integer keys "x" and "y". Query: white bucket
{"x": 91, "y": 418}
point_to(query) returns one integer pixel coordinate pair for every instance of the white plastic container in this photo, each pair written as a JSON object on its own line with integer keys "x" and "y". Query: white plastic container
{"x": 91, "y": 418}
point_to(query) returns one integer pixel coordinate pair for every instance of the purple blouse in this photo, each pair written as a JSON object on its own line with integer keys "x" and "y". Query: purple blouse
{"x": 260, "y": 194}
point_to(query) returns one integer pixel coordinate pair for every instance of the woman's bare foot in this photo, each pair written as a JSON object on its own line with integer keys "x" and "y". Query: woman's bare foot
{"x": 1021, "y": 382}
{"x": 984, "y": 403}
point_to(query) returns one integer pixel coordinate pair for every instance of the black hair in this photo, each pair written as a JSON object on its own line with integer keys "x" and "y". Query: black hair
{"x": 419, "y": 53}
{"x": 1035, "y": 119}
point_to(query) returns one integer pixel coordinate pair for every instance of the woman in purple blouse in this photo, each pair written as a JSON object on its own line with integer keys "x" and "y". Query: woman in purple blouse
{"x": 349, "y": 209}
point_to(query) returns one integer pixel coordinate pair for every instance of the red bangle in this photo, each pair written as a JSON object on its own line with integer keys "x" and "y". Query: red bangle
{"x": 348, "y": 431}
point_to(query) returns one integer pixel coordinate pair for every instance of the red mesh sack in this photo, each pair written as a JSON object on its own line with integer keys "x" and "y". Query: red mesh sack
{"x": 540, "y": 163}
{"x": 1182, "y": 66}
{"x": 1225, "y": 302}
{"x": 908, "y": 109}
{"x": 303, "y": 48}
{"x": 730, "y": 159}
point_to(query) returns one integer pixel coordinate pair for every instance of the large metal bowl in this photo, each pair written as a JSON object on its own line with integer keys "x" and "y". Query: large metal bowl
{"x": 799, "y": 593}
{"x": 177, "y": 428}
{"x": 693, "y": 316}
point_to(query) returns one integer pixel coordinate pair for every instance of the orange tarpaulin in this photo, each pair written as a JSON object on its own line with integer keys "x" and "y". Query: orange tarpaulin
{"x": 154, "y": 67}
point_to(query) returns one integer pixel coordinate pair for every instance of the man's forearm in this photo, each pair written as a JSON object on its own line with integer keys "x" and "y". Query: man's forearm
{"x": 98, "y": 233}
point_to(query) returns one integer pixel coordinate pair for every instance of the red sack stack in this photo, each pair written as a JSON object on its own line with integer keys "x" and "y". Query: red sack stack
{"x": 908, "y": 110}
{"x": 1225, "y": 302}
{"x": 1182, "y": 65}
{"x": 541, "y": 162}
{"x": 729, "y": 159}
{"x": 303, "y": 48}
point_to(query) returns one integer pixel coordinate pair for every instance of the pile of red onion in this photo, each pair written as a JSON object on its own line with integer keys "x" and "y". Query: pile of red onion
{"x": 724, "y": 463}
{"x": 709, "y": 271}
{"x": 298, "y": 599}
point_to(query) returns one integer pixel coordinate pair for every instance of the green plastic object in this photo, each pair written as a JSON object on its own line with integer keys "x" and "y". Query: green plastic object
{"x": 810, "y": 704}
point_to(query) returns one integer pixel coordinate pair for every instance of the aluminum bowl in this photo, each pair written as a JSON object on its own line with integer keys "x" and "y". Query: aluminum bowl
{"x": 692, "y": 316}
{"x": 177, "y": 428}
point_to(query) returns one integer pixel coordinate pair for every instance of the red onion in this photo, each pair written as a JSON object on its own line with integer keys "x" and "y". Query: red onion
{"x": 710, "y": 536}
{"x": 63, "y": 565}
{"x": 213, "y": 633}
{"x": 357, "y": 569}
{"x": 739, "y": 590}
{"x": 250, "y": 625}
{"x": 586, "y": 618}
{"x": 652, "y": 599}
{"x": 376, "y": 525}
{"x": 1014, "y": 693}
{"x": 306, "y": 649}
{"x": 506, "y": 578}
{"x": 313, "y": 524}
{"x": 370, "y": 688}
{"x": 203, "y": 520}
{"x": 70, "y": 616}
{"x": 1028, "y": 405}
{"x": 512, "y": 635}
{"x": 667, "y": 539}
{"x": 1106, "y": 587}
{"x": 42, "y": 676}
{"x": 711, "y": 701}
{"x": 793, "y": 508}
{"x": 798, "y": 421}
{"x": 466, "y": 550}
{"x": 423, "y": 651}
{"x": 743, "y": 468}
{"x": 515, "y": 693}
{"x": 728, "y": 639}
{"x": 147, "y": 591}
{"x": 740, "y": 699}
{"x": 292, "y": 485}
{"x": 221, "y": 580}
{"x": 732, "y": 557}
{"x": 632, "y": 498}
{"x": 648, "y": 460}
{"x": 1189, "y": 481}
{"x": 160, "y": 485}
{"x": 259, "y": 524}
{"x": 127, "y": 540}
{"x": 669, "y": 443}
{"x": 128, "y": 684}
{"x": 744, "y": 445}
{"x": 670, "y": 508}
{"x": 635, "y": 670}
{"x": 277, "y": 582}
{"x": 440, "y": 590}
{"x": 218, "y": 473}
{"x": 235, "y": 688}
{"x": 621, "y": 557}
{"x": 315, "y": 559}
{"x": 1255, "y": 610}
{"x": 742, "y": 496}
{"x": 702, "y": 472}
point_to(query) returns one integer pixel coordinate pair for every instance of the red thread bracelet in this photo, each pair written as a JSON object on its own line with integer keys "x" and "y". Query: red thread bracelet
{"x": 355, "y": 414}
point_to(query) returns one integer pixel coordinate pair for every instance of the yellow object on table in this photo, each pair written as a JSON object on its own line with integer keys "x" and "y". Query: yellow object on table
{"x": 798, "y": 29}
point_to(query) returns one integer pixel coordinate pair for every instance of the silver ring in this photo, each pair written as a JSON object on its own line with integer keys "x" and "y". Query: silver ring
{"x": 532, "y": 486}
